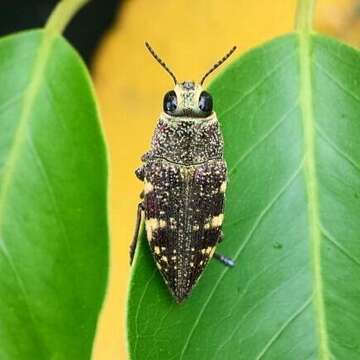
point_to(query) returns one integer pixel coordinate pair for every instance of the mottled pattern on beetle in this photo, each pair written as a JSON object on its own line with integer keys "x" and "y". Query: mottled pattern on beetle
{"x": 183, "y": 212}
{"x": 187, "y": 141}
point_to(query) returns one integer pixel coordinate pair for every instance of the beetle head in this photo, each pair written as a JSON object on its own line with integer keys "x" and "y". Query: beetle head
{"x": 188, "y": 99}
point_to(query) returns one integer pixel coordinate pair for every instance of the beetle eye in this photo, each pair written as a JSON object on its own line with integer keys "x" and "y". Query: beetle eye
{"x": 170, "y": 102}
{"x": 205, "y": 103}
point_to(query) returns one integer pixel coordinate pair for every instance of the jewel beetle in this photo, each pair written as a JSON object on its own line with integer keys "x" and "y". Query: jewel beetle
{"x": 185, "y": 178}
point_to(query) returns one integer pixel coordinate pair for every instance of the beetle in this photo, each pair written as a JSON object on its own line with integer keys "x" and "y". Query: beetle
{"x": 184, "y": 176}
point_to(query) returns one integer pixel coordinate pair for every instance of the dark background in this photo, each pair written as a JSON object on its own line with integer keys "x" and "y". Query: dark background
{"x": 84, "y": 32}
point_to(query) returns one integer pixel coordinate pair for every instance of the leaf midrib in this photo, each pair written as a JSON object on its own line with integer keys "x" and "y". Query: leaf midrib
{"x": 56, "y": 24}
{"x": 30, "y": 94}
{"x": 20, "y": 133}
{"x": 311, "y": 183}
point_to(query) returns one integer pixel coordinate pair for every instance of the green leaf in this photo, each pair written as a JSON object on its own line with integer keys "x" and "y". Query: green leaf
{"x": 290, "y": 113}
{"x": 53, "y": 189}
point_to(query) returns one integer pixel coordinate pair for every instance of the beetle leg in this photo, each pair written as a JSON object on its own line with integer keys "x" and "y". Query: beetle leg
{"x": 224, "y": 260}
{"x": 145, "y": 157}
{"x": 140, "y": 174}
{"x": 221, "y": 237}
{"x": 137, "y": 230}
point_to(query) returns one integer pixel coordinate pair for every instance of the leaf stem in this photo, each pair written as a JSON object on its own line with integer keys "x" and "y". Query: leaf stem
{"x": 305, "y": 15}
{"x": 62, "y": 15}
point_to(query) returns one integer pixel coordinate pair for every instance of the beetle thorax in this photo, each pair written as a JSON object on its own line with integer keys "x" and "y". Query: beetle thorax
{"x": 187, "y": 141}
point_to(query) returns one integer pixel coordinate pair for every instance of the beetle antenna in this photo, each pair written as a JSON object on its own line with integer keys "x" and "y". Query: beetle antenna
{"x": 157, "y": 58}
{"x": 215, "y": 66}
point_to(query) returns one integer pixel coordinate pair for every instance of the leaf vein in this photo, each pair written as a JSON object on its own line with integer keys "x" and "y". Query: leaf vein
{"x": 342, "y": 153}
{"x": 59, "y": 219}
{"x": 263, "y": 138}
{"x": 4, "y": 106}
{"x": 39, "y": 343}
{"x": 332, "y": 239}
{"x": 254, "y": 307}
{"x": 136, "y": 321}
{"x": 337, "y": 82}
{"x": 258, "y": 84}
{"x": 278, "y": 334}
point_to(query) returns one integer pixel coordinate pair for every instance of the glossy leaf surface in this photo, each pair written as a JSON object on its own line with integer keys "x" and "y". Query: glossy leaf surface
{"x": 53, "y": 222}
{"x": 290, "y": 116}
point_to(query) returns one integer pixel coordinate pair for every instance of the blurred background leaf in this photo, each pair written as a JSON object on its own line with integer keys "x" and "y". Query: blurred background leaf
{"x": 53, "y": 209}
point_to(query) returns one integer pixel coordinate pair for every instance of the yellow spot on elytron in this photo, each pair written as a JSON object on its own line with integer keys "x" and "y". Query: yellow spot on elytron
{"x": 163, "y": 248}
{"x": 157, "y": 250}
{"x": 196, "y": 227}
{"x": 175, "y": 267}
{"x": 208, "y": 250}
{"x": 162, "y": 223}
{"x": 207, "y": 226}
{"x": 148, "y": 187}
{"x": 192, "y": 264}
{"x": 201, "y": 262}
{"x": 164, "y": 258}
{"x": 174, "y": 251}
{"x": 158, "y": 265}
{"x": 203, "y": 251}
{"x": 216, "y": 221}
{"x": 223, "y": 187}
{"x": 173, "y": 258}
{"x": 192, "y": 249}
{"x": 151, "y": 225}
{"x": 148, "y": 233}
